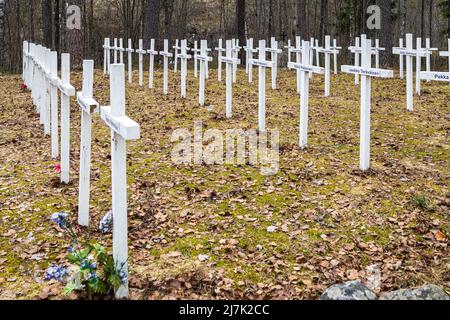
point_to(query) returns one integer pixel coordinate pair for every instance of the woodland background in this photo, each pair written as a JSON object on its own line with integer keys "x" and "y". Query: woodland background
{"x": 43, "y": 21}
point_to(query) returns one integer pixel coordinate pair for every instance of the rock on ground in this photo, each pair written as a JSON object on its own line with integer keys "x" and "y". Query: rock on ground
{"x": 426, "y": 292}
{"x": 353, "y": 290}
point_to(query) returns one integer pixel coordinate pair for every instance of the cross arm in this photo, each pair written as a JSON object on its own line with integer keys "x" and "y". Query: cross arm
{"x": 153, "y": 52}
{"x": 372, "y": 72}
{"x": 123, "y": 125}
{"x": 166, "y": 54}
{"x": 66, "y": 89}
{"x": 444, "y": 53}
{"x": 306, "y": 68}
{"x": 203, "y": 58}
{"x": 88, "y": 105}
{"x": 262, "y": 63}
{"x": 436, "y": 76}
{"x": 229, "y": 60}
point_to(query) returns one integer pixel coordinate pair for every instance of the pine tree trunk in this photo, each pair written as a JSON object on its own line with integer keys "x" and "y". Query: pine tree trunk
{"x": 302, "y": 20}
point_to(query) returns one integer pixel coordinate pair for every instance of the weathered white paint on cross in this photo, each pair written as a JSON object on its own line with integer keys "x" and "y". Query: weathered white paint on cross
{"x": 220, "y": 50}
{"x": 152, "y": 53}
{"x": 203, "y": 58}
{"x": 184, "y": 61}
{"x": 88, "y": 106}
{"x": 249, "y": 51}
{"x": 106, "y": 55}
{"x": 337, "y": 50}
{"x": 67, "y": 91}
{"x": 428, "y": 53}
{"x": 317, "y": 49}
{"x": 420, "y": 53}
{"x": 400, "y": 52}
{"x": 141, "y": 53}
{"x": 356, "y": 49}
{"x": 122, "y": 129}
{"x": 274, "y": 51}
{"x": 229, "y": 61}
{"x": 298, "y": 58}
{"x": 327, "y": 51}
{"x": 166, "y": 55}
{"x": 289, "y": 48}
{"x": 176, "y": 47}
{"x": 196, "y": 51}
{"x": 121, "y": 50}
{"x": 25, "y": 49}
{"x": 47, "y": 98}
{"x": 130, "y": 51}
{"x": 410, "y": 53}
{"x": 367, "y": 72}
{"x": 53, "y": 80}
{"x": 115, "y": 50}
{"x": 262, "y": 65}
{"x": 304, "y": 68}
{"x": 235, "y": 50}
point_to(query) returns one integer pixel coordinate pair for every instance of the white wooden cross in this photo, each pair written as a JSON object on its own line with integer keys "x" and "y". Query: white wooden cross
{"x": 152, "y": 52}
{"x": 289, "y": 48}
{"x": 317, "y": 49}
{"x": 367, "y": 72}
{"x": 336, "y": 52}
{"x": 304, "y": 68}
{"x": 25, "y": 49}
{"x": 262, "y": 65}
{"x": 356, "y": 50}
{"x": 236, "y": 49}
{"x": 446, "y": 54}
{"x": 419, "y": 54}
{"x": 298, "y": 58}
{"x": 115, "y": 50}
{"x": 175, "y": 62}
{"x": 203, "y": 58}
{"x": 46, "y": 93}
{"x": 130, "y": 51}
{"x": 327, "y": 51}
{"x": 229, "y": 61}
{"x": 141, "y": 53}
{"x": 435, "y": 76}
{"x": 410, "y": 53}
{"x": 429, "y": 52}
{"x": 249, "y": 56}
{"x": 122, "y": 129}
{"x": 184, "y": 61}
{"x": 196, "y": 51}
{"x": 220, "y": 50}
{"x": 88, "y": 106}
{"x": 274, "y": 51}
{"x": 106, "y": 55}
{"x": 53, "y": 81}
{"x": 376, "y": 51}
{"x": 166, "y": 54}
{"x": 67, "y": 91}
{"x": 400, "y": 52}
{"x": 121, "y": 49}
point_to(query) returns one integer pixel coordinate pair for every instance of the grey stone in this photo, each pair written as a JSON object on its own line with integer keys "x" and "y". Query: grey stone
{"x": 353, "y": 290}
{"x": 426, "y": 292}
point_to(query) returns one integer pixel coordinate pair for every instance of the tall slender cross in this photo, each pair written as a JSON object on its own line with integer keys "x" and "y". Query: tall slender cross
{"x": 400, "y": 52}
{"x": 249, "y": 56}
{"x": 151, "y": 74}
{"x": 367, "y": 72}
{"x": 274, "y": 51}
{"x": 289, "y": 48}
{"x": 106, "y": 55}
{"x": 317, "y": 49}
{"x": 121, "y": 49}
{"x": 298, "y": 59}
{"x": 328, "y": 52}
{"x": 376, "y": 50}
{"x": 166, "y": 55}
{"x": 236, "y": 49}
{"x": 130, "y": 51}
{"x": 88, "y": 106}
{"x": 203, "y": 58}
{"x": 67, "y": 91}
{"x": 184, "y": 61}
{"x": 196, "y": 51}
{"x": 25, "y": 50}
{"x": 122, "y": 129}
{"x": 419, "y": 54}
{"x": 304, "y": 68}
{"x": 115, "y": 50}
{"x": 229, "y": 60}
{"x": 54, "y": 80}
{"x": 262, "y": 65}
{"x": 429, "y": 52}
{"x": 337, "y": 50}
{"x": 220, "y": 50}
{"x": 46, "y": 95}
{"x": 175, "y": 61}
{"x": 141, "y": 53}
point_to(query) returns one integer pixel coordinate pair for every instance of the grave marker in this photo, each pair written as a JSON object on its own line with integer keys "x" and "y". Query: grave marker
{"x": 377, "y": 50}
{"x": 141, "y": 53}
{"x": 203, "y": 58}
{"x": 304, "y": 68}
{"x": 67, "y": 91}
{"x": 130, "y": 51}
{"x": 298, "y": 58}
{"x": 418, "y": 64}
{"x": 229, "y": 61}
{"x": 446, "y": 54}
{"x": 289, "y": 48}
{"x": 428, "y": 53}
{"x": 122, "y": 129}
{"x": 274, "y": 51}
{"x": 53, "y": 80}
{"x": 220, "y": 51}
{"x": 175, "y": 62}
{"x": 236, "y": 49}
{"x": 249, "y": 56}
{"x": 337, "y": 50}
{"x": 152, "y": 52}
{"x": 196, "y": 51}
{"x": 399, "y": 51}
{"x": 121, "y": 49}
{"x": 47, "y": 89}
{"x": 88, "y": 106}
{"x": 115, "y": 48}
{"x": 262, "y": 65}
{"x": 106, "y": 55}
{"x": 184, "y": 61}
{"x": 367, "y": 72}
{"x": 327, "y": 51}
{"x": 166, "y": 54}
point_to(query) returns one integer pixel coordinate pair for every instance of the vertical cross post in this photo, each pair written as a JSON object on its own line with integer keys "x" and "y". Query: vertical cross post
{"x": 152, "y": 52}
{"x": 220, "y": 50}
{"x": 88, "y": 106}
{"x": 298, "y": 59}
{"x": 274, "y": 51}
{"x": 130, "y": 51}
{"x": 446, "y": 54}
{"x": 166, "y": 54}
{"x": 249, "y": 56}
{"x": 47, "y": 98}
{"x": 115, "y": 50}
{"x": 67, "y": 91}
{"x": 236, "y": 49}
{"x": 141, "y": 53}
{"x": 289, "y": 51}
{"x": 196, "y": 51}
{"x": 229, "y": 61}
{"x": 53, "y": 80}
{"x": 418, "y": 64}
{"x": 400, "y": 51}
{"x": 184, "y": 61}
{"x": 429, "y": 52}
{"x": 327, "y": 51}
{"x": 106, "y": 55}
{"x": 203, "y": 58}
{"x": 175, "y": 62}
{"x": 335, "y": 54}
{"x": 121, "y": 49}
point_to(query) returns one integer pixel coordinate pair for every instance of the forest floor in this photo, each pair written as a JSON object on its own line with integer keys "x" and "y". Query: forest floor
{"x": 333, "y": 223}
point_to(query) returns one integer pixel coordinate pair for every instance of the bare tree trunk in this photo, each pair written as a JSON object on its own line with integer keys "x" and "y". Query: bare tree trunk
{"x": 47, "y": 30}
{"x": 302, "y": 20}
{"x": 151, "y": 21}
{"x": 240, "y": 22}
{"x": 32, "y": 30}
{"x": 386, "y": 31}
{"x": 323, "y": 19}
{"x": 57, "y": 26}
{"x": 75, "y": 38}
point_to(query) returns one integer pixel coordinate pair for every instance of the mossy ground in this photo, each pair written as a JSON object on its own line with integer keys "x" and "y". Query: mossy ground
{"x": 333, "y": 221}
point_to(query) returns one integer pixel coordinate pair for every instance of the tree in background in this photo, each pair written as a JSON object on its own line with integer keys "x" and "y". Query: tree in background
{"x": 302, "y": 21}
{"x": 240, "y": 22}
{"x": 445, "y": 6}
{"x": 152, "y": 13}
{"x": 385, "y": 34}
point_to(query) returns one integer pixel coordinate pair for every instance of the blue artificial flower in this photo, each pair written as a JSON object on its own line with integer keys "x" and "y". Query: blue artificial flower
{"x": 123, "y": 276}
{"x": 106, "y": 224}
{"x": 61, "y": 219}
{"x": 56, "y": 272}
{"x": 70, "y": 249}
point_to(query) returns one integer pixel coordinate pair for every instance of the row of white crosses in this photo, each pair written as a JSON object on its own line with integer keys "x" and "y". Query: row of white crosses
{"x": 357, "y": 49}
